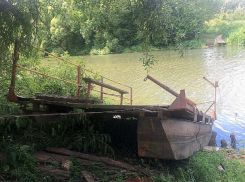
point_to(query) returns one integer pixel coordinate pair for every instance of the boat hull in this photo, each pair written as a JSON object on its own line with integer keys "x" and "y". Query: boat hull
{"x": 173, "y": 139}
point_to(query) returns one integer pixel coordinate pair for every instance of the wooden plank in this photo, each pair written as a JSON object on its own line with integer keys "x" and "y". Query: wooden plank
{"x": 90, "y": 80}
{"x": 105, "y": 160}
{"x": 88, "y": 176}
{"x": 57, "y": 173}
{"x": 64, "y": 98}
{"x": 195, "y": 115}
{"x": 46, "y": 157}
{"x": 99, "y": 107}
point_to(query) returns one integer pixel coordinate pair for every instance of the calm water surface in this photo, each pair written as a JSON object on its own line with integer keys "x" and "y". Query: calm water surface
{"x": 223, "y": 64}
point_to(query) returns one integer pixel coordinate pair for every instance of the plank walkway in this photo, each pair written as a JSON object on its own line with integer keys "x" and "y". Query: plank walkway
{"x": 219, "y": 40}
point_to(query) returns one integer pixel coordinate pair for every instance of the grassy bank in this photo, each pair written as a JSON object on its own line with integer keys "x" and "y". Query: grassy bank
{"x": 21, "y": 138}
{"x": 229, "y": 23}
{"x": 201, "y": 167}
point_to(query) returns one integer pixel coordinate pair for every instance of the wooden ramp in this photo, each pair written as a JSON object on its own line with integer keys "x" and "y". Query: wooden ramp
{"x": 219, "y": 40}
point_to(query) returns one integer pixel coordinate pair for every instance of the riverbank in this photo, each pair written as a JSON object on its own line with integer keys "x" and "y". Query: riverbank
{"x": 59, "y": 164}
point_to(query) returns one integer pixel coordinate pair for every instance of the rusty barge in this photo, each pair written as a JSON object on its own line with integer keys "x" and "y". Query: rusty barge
{"x": 172, "y": 132}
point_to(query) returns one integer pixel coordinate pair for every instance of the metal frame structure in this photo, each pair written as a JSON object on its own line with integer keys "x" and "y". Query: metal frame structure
{"x": 13, "y": 97}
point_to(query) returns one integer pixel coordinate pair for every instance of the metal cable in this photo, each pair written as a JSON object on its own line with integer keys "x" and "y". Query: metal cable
{"x": 134, "y": 110}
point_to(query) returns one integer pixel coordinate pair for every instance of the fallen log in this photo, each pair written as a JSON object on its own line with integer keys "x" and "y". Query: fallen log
{"x": 46, "y": 157}
{"x": 57, "y": 173}
{"x": 143, "y": 179}
{"x": 106, "y": 160}
{"x": 64, "y": 151}
{"x": 88, "y": 176}
{"x": 115, "y": 163}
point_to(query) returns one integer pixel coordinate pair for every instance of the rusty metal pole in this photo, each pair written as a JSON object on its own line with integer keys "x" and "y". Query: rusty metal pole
{"x": 11, "y": 94}
{"x": 215, "y": 85}
{"x": 131, "y": 96}
{"x": 101, "y": 89}
{"x": 89, "y": 89}
{"x": 79, "y": 80}
{"x": 215, "y": 93}
{"x": 121, "y": 100}
{"x": 169, "y": 89}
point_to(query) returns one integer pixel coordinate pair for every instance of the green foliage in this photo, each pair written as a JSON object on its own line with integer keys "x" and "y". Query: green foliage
{"x": 194, "y": 44}
{"x": 103, "y": 51}
{"x": 28, "y": 83}
{"x": 148, "y": 61}
{"x": 163, "y": 22}
{"x": 103, "y": 27}
{"x": 90, "y": 140}
{"x": 203, "y": 167}
{"x": 137, "y": 48}
{"x": 19, "y": 161}
{"x": 229, "y": 23}
{"x": 221, "y": 25}
{"x": 238, "y": 37}
{"x": 18, "y": 21}
{"x": 9, "y": 127}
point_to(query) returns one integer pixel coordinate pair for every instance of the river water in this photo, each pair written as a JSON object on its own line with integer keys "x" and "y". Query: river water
{"x": 223, "y": 64}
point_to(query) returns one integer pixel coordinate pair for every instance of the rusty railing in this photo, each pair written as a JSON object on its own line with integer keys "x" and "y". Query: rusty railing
{"x": 77, "y": 84}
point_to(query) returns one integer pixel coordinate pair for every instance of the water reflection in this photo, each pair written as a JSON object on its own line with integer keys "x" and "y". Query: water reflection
{"x": 228, "y": 66}
{"x": 223, "y": 64}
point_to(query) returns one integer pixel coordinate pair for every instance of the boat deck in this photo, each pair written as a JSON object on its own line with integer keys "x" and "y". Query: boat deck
{"x": 50, "y": 103}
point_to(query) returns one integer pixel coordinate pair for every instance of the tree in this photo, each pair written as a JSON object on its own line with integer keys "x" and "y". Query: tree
{"x": 115, "y": 24}
{"x": 18, "y": 21}
{"x": 165, "y": 22}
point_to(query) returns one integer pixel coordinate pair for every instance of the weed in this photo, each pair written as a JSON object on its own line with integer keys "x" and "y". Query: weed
{"x": 20, "y": 163}
{"x": 203, "y": 167}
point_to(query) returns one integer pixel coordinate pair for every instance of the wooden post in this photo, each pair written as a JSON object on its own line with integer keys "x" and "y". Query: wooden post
{"x": 11, "y": 94}
{"x": 215, "y": 92}
{"x": 78, "y": 80}
{"x": 89, "y": 89}
{"x": 209, "y": 120}
{"x": 131, "y": 96}
{"x": 203, "y": 118}
{"x": 101, "y": 90}
{"x": 121, "y": 102}
{"x": 215, "y": 85}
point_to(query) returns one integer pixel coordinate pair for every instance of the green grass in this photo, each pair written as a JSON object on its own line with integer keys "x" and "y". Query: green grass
{"x": 203, "y": 167}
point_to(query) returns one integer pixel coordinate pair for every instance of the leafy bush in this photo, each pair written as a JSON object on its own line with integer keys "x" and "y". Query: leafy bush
{"x": 89, "y": 140}
{"x": 238, "y": 37}
{"x": 194, "y": 44}
{"x": 57, "y": 51}
{"x": 229, "y": 24}
{"x": 94, "y": 52}
{"x": 203, "y": 167}
{"x": 19, "y": 161}
{"x": 28, "y": 83}
{"x": 103, "y": 51}
{"x": 114, "y": 45}
{"x": 137, "y": 48}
